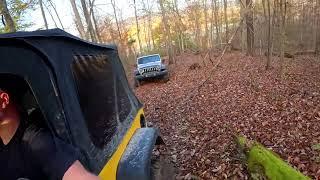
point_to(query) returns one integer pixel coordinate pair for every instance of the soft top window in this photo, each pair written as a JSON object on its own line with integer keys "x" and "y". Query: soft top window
{"x": 103, "y": 100}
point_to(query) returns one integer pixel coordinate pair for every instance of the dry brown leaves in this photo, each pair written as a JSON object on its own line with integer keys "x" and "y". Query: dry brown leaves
{"x": 281, "y": 112}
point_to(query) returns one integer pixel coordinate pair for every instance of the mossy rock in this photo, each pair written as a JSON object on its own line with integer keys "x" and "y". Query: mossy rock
{"x": 265, "y": 164}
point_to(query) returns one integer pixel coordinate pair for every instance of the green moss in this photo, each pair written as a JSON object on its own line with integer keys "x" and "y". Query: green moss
{"x": 242, "y": 141}
{"x": 316, "y": 147}
{"x": 264, "y": 164}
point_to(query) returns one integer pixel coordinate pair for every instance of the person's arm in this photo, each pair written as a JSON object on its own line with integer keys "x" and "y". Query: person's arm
{"x": 57, "y": 159}
{"x": 77, "y": 171}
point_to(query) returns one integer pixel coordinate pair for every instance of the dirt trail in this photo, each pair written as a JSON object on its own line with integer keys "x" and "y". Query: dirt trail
{"x": 240, "y": 98}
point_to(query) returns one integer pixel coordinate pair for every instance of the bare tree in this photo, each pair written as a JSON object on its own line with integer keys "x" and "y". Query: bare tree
{"x": 180, "y": 25}
{"x": 88, "y": 21}
{"x": 282, "y": 31}
{"x": 225, "y": 5}
{"x": 116, "y": 18}
{"x": 55, "y": 10}
{"x": 243, "y": 27}
{"x": 9, "y": 23}
{"x": 206, "y": 34}
{"x": 148, "y": 10}
{"x": 43, "y": 14}
{"x": 269, "y": 36}
{"x": 167, "y": 32}
{"x": 250, "y": 29}
{"x": 77, "y": 18}
{"x": 216, "y": 20}
{"x": 54, "y": 21}
{"x": 94, "y": 19}
{"x": 211, "y": 25}
{"x": 137, "y": 25}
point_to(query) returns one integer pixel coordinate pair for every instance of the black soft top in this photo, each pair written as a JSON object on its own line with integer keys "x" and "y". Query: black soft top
{"x": 56, "y": 46}
{"x": 51, "y": 33}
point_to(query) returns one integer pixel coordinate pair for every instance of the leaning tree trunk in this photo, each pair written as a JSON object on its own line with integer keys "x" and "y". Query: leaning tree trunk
{"x": 317, "y": 50}
{"x": 43, "y": 14}
{"x": 167, "y": 32}
{"x": 9, "y": 23}
{"x": 78, "y": 21}
{"x": 250, "y": 30}
{"x": 52, "y": 18}
{"x": 56, "y": 12}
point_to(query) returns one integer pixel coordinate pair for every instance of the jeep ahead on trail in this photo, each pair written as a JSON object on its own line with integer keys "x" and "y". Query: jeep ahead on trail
{"x": 150, "y": 67}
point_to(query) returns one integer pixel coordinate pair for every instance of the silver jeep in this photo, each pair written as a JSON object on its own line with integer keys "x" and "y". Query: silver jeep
{"x": 150, "y": 67}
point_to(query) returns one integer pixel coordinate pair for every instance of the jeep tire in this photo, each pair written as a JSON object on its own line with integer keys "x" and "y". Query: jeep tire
{"x": 165, "y": 78}
{"x": 136, "y": 82}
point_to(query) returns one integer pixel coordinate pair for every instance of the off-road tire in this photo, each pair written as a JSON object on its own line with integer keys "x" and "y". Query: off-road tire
{"x": 136, "y": 83}
{"x": 162, "y": 168}
{"x": 166, "y": 78}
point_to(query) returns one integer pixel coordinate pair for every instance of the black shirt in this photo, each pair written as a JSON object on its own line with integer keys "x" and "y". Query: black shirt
{"x": 33, "y": 153}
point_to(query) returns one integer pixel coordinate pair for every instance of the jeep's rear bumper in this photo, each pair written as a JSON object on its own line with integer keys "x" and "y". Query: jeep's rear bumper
{"x": 152, "y": 75}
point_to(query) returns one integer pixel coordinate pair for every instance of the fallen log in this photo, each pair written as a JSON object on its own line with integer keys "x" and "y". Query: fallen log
{"x": 309, "y": 52}
{"x": 265, "y": 164}
{"x": 286, "y": 54}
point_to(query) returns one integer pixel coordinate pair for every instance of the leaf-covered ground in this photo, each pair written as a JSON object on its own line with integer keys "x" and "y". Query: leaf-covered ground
{"x": 280, "y": 111}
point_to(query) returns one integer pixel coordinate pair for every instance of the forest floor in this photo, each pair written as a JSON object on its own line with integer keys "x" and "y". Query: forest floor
{"x": 282, "y": 112}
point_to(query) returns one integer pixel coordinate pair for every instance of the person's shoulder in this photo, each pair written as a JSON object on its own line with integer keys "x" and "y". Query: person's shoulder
{"x": 36, "y": 136}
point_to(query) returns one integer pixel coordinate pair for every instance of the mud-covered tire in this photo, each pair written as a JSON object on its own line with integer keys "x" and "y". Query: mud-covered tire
{"x": 136, "y": 82}
{"x": 166, "y": 78}
{"x": 162, "y": 168}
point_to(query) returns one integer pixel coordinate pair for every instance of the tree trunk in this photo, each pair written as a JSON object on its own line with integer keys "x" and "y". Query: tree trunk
{"x": 54, "y": 21}
{"x": 206, "y": 34}
{"x": 282, "y": 31}
{"x": 317, "y": 50}
{"x": 151, "y": 31}
{"x": 78, "y": 21}
{"x": 146, "y": 34}
{"x": 96, "y": 30}
{"x": 88, "y": 20}
{"x": 148, "y": 11}
{"x": 265, "y": 24}
{"x": 55, "y": 10}
{"x": 242, "y": 28}
{"x": 9, "y": 23}
{"x": 43, "y": 14}
{"x": 269, "y": 36}
{"x": 216, "y": 9}
{"x": 197, "y": 26}
{"x": 211, "y": 25}
{"x": 225, "y": 5}
{"x": 116, "y": 18}
{"x": 137, "y": 25}
{"x": 181, "y": 26}
{"x": 274, "y": 23}
{"x": 250, "y": 30}
{"x": 167, "y": 32}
